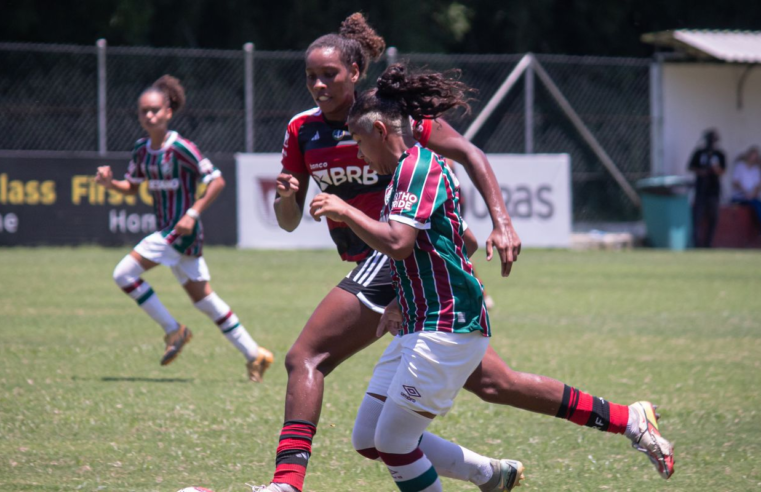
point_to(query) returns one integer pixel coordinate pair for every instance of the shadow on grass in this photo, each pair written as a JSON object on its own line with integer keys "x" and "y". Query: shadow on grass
{"x": 110, "y": 379}
{"x": 146, "y": 380}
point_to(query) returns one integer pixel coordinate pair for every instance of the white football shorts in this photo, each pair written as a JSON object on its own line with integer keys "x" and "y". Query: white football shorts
{"x": 185, "y": 268}
{"x": 424, "y": 371}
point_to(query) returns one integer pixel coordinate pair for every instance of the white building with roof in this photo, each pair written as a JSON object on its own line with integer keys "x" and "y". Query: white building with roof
{"x": 709, "y": 81}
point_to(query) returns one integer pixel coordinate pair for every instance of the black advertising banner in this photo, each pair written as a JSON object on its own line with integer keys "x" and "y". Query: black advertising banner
{"x": 55, "y": 201}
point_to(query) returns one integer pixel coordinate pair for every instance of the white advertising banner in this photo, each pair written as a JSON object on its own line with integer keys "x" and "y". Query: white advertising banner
{"x": 536, "y": 190}
{"x": 257, "y": 225}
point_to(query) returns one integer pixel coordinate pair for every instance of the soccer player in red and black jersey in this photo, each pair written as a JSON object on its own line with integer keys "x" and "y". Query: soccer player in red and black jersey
{"x": 318, "y": 147}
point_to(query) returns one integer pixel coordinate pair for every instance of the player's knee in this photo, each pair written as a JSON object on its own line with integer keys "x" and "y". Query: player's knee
{"x": 389, "y": 442}
{"x": 393, "y": 434}
{"x": 363, "y": 440}
{"x": 363, "y": 434}
{"x": 492, "y": 383}
{"x": 488, "y": 391}
{"x": 298, "y": 358}
{"x": 127, "y": 271}
{"x": 302, "y": 357}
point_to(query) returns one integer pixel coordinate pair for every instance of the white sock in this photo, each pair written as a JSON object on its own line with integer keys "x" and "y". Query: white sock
{"x": 453, "y": 461}
{"x": 396, "y": 439}
{"x": 449, "y": 459}
{"x": 127, "y": 276}
{"x": 221, "y": 314}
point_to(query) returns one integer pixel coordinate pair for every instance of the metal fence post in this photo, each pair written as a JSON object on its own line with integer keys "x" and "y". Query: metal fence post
{"x": 529, "y": 107}
{"x": 102, "y": 116}
{"x": 248, "y": 82}
{"x": 656, "y": 116}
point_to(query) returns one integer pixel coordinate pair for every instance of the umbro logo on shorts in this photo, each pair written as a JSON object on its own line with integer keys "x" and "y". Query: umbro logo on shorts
{"x": 412, "y": 391}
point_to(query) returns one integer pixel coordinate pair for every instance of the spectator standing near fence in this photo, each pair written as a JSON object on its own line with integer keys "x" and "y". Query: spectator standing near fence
{"x": 746, "y": 181}
{"x": 173, "y": 167}
{"x": 708, "y": 163}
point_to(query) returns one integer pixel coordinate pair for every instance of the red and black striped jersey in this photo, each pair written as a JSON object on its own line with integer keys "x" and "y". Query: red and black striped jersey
{"x": 325, "y": 150}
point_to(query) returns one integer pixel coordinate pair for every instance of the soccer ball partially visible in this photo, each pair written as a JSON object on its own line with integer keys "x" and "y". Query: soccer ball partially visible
{"x": 195, "y": 489}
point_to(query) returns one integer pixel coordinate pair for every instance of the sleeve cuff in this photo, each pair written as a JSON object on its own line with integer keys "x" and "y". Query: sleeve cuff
{"x": 410, "y": 222}
{"x": 212, "y": 176}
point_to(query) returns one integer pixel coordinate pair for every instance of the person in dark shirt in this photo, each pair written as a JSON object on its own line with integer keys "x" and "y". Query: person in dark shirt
{"x": 708, "y": 163}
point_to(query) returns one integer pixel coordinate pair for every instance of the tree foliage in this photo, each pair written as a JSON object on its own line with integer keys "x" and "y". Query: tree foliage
{"x": 591, "y": 27}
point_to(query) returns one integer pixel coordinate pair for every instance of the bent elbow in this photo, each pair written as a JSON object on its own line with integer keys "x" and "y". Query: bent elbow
{"x": 287, "y": 225}
{"x": 401, "y": 252}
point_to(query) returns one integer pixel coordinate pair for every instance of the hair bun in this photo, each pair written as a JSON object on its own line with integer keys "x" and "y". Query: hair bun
{"x": 393, "y": 81}
{"x": 173, "y": 90}
{"x": 356, "y": 27}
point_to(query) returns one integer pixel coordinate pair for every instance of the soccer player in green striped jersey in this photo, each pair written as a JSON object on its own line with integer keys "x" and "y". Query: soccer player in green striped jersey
{"x": 173, "y": 167}
{"x": 444, "y": 330}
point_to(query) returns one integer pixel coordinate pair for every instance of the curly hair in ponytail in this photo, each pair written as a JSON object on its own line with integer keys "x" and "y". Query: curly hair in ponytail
{"x": 171, "y": 89}
{"x": 399, "y": 95}
{"x": 356, "y": 42}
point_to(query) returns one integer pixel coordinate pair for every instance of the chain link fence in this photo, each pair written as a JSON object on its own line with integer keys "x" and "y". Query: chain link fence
{"x": 49, "y": 102}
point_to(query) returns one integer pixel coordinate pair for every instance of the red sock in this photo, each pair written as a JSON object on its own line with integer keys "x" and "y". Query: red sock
{"x": 584, "y": 409}
{"x": 293, "y": 453}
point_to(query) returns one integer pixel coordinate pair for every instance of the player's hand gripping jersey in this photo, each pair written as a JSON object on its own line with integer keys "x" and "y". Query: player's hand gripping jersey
{"x": 326, "y": 151}
{"x": 436, "y": 287}
{"x": 173, "y": 173}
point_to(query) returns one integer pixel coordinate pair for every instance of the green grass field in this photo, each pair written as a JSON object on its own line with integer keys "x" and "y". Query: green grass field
{"x": 84, "y": 404}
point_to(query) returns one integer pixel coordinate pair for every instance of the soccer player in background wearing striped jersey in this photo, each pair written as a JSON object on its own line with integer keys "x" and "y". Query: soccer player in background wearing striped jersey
{"x": 318, "y": 147}
{"x": 173, "y": 167}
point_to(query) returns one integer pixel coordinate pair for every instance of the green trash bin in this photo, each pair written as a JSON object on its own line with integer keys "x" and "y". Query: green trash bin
{"x": 666, "y": 211}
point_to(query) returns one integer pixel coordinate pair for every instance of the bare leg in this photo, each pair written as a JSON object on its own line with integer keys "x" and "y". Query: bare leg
{"x": 493, "y": 381}
{"x": 197, "y": 290}
{"x": 340, "y": 327}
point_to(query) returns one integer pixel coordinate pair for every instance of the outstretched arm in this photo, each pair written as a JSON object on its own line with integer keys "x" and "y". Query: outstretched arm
{"x": 446, "y": 141}
{"x": 105, "y": 177}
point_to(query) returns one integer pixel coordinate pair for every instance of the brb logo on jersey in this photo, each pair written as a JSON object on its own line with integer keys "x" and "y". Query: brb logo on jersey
{"x": 404, "y": 201}
{"x": 350, "y": 174}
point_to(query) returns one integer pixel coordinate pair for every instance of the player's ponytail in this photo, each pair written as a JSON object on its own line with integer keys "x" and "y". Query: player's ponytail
{"x": 424, "y": 95}
{"x": 356, "y": 41}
